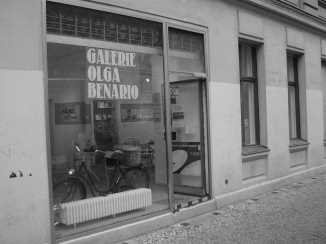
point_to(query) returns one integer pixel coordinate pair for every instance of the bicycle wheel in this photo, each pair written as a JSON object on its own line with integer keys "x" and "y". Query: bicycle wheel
{"x": 135, "y": 178}
{"x": 68, "y": 190}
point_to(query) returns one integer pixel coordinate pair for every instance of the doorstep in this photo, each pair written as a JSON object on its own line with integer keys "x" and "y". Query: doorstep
{"x": 150, "y": 224}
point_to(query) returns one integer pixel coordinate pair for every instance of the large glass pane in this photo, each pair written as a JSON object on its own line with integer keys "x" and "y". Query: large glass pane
{"x": 290, "y": 68}
{"x": 248, "y": 120}
{"x": 292, "y": 112}
{"x": 186, "y": 54}
{"x": 106, "y": 127}
{"x": 187, "y": 96}
{"x": 187, "y": 145}
{"x": 246, "y": 61}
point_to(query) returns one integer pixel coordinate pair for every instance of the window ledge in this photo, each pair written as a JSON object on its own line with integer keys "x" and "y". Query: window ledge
{"x": 298, "y": 145}
{"x": 250, "y": 153}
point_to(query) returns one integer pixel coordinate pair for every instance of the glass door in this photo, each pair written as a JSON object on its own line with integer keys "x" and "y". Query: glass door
{"x": 186, "y": 118}
{"x": 187, "y": 140}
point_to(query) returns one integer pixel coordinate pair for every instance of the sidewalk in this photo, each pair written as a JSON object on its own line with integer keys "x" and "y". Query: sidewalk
{"x": 294, "y": 213}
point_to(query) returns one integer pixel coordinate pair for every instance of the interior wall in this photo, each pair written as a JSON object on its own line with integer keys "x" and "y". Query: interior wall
{"x": 66, "y": 91}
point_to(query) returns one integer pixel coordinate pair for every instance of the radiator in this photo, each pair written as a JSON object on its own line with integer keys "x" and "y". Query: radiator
{"x": 93, "y": 208}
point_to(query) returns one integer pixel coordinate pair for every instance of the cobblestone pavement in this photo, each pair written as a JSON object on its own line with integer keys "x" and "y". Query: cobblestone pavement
{"x": 294, "y": 213}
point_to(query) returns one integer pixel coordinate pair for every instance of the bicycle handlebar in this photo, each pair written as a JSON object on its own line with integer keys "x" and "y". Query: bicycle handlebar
{"x": 115, "y": 151}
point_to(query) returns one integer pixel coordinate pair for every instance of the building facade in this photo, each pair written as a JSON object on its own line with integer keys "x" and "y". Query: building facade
{"x": 121, "y": 117}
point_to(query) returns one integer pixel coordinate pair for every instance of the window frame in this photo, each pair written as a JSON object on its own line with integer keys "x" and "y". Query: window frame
{"x": 295, "y": 84}
{"x": 203, "y": 78}
{"x": 323, "y": 67}
{"x": 252, "y": 80}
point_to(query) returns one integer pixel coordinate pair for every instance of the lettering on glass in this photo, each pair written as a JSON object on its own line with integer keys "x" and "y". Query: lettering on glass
{"x": 110, "y": 74}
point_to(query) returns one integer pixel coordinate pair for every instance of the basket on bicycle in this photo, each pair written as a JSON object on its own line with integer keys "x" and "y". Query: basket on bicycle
{"x": 136, "y": 155}
{"x": 147, "y": 155}
{"x": 132, "y": 155}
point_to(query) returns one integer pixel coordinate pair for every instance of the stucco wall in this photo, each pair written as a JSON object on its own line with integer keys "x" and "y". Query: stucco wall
{"x": 24, "y": 201}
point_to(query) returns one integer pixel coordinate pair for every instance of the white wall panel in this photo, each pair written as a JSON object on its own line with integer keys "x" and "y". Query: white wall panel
{"x": 24, "y": 204}
{"x": 225, "y": 136}
{"x": 315, "y": 127}
{"x": 294, "y": 38}
{"x": 278, "y": 131}
{"x": 250, "y": 24}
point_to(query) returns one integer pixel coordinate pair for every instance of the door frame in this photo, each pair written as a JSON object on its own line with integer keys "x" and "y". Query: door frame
{"x": 205, "y": 114}
{"x": 197, "y": 191}
{"x": 204, "y": 77}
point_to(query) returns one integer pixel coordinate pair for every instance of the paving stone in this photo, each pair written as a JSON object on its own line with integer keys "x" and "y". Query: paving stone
{"x": 295, "y": 213}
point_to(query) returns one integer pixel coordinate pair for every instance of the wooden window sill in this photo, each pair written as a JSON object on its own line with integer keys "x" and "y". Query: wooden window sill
{"x": 297, "y": 145}
{"x": 255, "y": 152}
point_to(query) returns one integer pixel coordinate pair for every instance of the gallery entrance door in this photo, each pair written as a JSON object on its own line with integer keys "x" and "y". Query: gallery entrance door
{"x": 188, "y": 159}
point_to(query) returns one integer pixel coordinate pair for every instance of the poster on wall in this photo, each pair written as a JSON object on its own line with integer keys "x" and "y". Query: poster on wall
{"x": 186, "y": 158}
{"x": 117, "y": 75}
{"x": 72, "y": 113}
{"x": 136, "y": 112}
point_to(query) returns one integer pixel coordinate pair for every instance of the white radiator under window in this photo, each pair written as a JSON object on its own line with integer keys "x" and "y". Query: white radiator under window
{"x": 93, "y": 208}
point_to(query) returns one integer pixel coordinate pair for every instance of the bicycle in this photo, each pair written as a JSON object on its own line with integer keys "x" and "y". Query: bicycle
{"x": 81, "y": 181}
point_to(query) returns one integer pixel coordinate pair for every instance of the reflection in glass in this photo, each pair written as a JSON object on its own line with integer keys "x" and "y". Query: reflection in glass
{"x": 187, "y": 96}
{"x": 292, "y": 112}
{"x": 293, "y": 96}
{"x": 106, "y": 143}
{"x": 186, "y": 127}
{"x": 186, "y": 54}
{"x": 249, "y": 95}
{"x": 246, "y": 61}
{"x": 248, "y": 113}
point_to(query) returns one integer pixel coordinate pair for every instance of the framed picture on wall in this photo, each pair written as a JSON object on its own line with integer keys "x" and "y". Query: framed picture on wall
{"x": 136, "y": 112}
{"x": 72, "y": 113}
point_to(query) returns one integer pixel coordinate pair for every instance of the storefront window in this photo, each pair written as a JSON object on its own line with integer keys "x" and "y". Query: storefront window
{"x": 106, "y": 123}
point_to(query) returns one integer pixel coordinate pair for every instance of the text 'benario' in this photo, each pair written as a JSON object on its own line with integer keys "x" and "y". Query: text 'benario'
{"x": 103, "y": 74}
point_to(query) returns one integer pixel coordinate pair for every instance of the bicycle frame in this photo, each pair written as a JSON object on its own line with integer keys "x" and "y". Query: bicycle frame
{"x": 89, "y": 179}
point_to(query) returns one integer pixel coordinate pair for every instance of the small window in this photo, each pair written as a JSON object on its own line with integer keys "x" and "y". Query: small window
{"x": 323, "y": 75}
{"x": 249, "y": 95}
{"x": 293, "y": 96}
